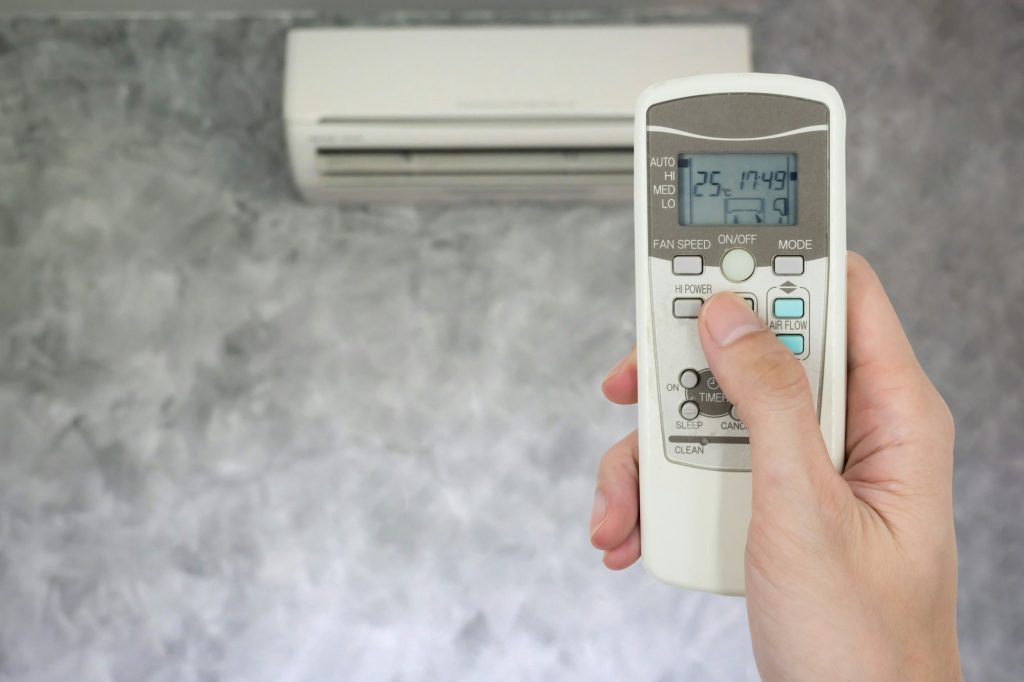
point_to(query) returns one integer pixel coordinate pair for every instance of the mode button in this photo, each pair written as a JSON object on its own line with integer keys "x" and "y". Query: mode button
{"x": 788, "y": 265}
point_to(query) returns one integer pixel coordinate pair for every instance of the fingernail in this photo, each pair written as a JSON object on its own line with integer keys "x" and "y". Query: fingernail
{"x": 618, "y": 366}
{"x": 598, "y": 513}
{"x": 729, "y": 318}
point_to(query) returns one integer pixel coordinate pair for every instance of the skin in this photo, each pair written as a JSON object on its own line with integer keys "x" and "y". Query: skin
{"x": 849, "y": 576}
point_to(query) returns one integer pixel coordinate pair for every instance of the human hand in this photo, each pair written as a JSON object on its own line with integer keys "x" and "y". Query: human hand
{"x": 849, "y": 576}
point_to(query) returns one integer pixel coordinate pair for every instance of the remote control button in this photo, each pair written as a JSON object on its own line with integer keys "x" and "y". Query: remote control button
{"x": 689, "y": 378}
{"x": 794, "y": 342}
{"x": 708, "y": 395}
{"x": 788, "y": 307}
{"x": 688, "y": 265}
{"x": 687, "y": 308}
{"x": 788, "y": 265}
{"x": 738, "y": 265}
{"x": 751, "y": 301}
{"x": 735, "y": 413}
{"x": 689, "y": 410}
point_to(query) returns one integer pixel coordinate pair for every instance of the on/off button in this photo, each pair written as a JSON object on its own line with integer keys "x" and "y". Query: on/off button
{"x": 738, "y": 265}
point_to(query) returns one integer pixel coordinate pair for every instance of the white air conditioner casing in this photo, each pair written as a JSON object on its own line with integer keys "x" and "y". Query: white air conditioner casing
{"x": 406, "y": 114}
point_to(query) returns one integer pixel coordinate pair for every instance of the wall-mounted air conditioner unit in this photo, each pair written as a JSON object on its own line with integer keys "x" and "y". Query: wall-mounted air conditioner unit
{"x": 402, "y": 114}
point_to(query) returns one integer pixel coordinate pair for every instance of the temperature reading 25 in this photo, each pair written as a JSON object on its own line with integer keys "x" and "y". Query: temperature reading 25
{"x": 709, "y": 180}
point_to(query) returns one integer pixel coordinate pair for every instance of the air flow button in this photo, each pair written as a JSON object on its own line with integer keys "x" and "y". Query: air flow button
{"x": 794, "y": 342}
{"x": 787, "y": 308}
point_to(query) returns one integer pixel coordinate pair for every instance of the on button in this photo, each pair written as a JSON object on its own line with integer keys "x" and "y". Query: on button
{"x": 689, "y": 378}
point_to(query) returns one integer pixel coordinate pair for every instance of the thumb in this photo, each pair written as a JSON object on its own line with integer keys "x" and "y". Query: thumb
{"x": 769, "y": 387}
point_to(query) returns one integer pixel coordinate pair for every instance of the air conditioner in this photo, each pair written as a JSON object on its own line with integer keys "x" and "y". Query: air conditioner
{"x": 405, "y": 114}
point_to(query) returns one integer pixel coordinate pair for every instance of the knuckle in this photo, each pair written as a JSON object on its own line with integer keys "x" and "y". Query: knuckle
{"x": 945, "y": 416}
{"x": 619, "y": 462}
{"x": 779, "y": 378}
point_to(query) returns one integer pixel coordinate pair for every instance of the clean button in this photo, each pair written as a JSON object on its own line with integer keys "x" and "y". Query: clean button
{"x": 788, "y": 307}
{"x": 794, "y": 342}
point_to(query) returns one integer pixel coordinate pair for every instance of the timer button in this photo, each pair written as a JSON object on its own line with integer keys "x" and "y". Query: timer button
{"x": 788, "y": 265}
{"x": 688, "y": 265}
{"x": 738, "y": 265}
{"x": 708, "y": 396}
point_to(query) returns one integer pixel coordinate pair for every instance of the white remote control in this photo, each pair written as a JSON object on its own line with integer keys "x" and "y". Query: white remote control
{"x": 740, "y": 186}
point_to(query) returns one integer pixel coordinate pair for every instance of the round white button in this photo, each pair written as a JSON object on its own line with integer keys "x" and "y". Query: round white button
{"x": 689, "y": 410}
{"x": 738, "y": 265}
{"x": 689, "y": 378}
{"x": 734, "y": 412}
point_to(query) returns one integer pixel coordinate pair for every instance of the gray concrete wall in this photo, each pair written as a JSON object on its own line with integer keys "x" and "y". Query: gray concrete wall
{"x": 236, "y": 443}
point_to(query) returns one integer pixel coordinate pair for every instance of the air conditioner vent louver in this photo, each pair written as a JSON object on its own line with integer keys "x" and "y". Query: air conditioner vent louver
{"x": 383, "y": 163}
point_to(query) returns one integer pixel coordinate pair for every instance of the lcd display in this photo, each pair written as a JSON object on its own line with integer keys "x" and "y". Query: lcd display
{"x": 737, "y": 189}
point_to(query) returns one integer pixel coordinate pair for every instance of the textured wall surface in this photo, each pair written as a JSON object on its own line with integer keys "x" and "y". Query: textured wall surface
{"x": 238, "y": 443}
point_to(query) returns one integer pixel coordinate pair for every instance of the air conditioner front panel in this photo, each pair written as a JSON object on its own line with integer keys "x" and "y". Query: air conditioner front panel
{"x": 487, "y": 72}
{"x": 411, "y": 114}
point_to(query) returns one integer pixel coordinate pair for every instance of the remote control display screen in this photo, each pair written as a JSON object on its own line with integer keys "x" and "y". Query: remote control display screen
{"x": 737, "y": 189}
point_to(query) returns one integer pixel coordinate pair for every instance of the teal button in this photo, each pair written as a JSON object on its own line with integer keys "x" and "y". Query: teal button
{"x": 788, "y": 307}
{"x": 794, "y": 342}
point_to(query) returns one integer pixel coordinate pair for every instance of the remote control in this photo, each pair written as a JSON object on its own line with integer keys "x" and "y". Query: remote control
{"x": 739, "y": 186}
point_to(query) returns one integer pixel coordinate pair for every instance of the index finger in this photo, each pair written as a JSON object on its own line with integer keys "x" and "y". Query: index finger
{"x": 620, "y": 384}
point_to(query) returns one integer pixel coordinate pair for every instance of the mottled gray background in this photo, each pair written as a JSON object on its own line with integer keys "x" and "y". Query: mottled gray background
{"x": 238, "y": 443}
